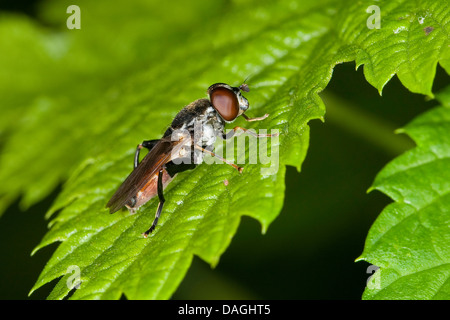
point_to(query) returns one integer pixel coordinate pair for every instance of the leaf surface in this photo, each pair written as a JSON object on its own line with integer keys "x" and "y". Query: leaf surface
{"x": 410, "y": 239}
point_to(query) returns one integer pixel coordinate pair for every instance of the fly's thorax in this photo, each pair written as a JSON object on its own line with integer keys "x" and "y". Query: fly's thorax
{"x": 207, "y": 127}
{"x": 198, "y": 124}
{"x": 200, "y": 121}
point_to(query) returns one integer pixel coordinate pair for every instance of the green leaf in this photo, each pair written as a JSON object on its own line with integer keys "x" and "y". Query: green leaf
{"x": 409, "y": 241}
{"x": 121, "y": 79}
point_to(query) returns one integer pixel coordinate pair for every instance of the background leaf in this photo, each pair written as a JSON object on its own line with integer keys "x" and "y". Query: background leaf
{"x": 409, "y": 240}
{"x": 290, "y": 50}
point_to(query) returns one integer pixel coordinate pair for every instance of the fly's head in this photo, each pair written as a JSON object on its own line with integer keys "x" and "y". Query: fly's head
{"x": 228, "y": 101}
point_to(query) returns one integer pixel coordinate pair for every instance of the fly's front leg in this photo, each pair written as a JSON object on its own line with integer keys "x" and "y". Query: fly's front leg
{"x": 231, "y": 133}
{"x": 255, "y": 119}
{"x": 160, "y": 205}
{"x": 149, "y": 144}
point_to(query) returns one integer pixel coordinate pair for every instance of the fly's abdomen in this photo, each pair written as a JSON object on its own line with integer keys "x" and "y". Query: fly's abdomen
{"x": 149, "y": 191}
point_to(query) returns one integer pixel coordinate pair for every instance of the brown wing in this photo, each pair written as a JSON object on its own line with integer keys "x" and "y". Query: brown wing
{"x": 158, "y": 156}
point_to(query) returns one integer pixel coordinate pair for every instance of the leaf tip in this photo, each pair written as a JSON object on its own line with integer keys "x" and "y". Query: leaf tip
{"x": 31, "y": 291}
{"x": 430, "y": 96}
{"x": 214, "y": 262}
{"x": 36, "y": 249}
{"x": 264, "y": 227}
{"x": 44, "y": 243}
{"x": 34, "y": 288}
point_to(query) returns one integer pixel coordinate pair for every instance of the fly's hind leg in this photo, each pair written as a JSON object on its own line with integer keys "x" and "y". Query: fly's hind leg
{"x": 149, "y": 144}
{"x": 160, "y": 205}
{"x": 220, "y": 158}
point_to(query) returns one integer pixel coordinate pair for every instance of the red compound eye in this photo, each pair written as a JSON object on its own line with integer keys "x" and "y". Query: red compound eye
{"x": 225, "y": 102}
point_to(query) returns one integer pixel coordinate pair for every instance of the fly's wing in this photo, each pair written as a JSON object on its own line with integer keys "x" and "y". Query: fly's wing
{"x": 158, "y": 156}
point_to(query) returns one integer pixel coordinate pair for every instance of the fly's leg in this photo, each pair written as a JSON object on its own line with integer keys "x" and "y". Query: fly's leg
{"x": 149, "y": 144}
{"x": 230, "y": 134}
{"x": 255, "y": 119}
{"x": 172, "y": 168}
{"x": 160, "y": 205}
{"x": 218, "y": 157}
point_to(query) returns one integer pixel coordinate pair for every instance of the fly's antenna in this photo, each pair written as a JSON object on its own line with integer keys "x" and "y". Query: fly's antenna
{"x": 244, "y": 85}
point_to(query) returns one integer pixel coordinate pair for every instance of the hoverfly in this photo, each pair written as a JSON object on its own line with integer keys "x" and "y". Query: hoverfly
{"x": 162, "y": 162}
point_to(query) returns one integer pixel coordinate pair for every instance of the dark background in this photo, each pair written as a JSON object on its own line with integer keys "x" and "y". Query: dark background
{"x": 308, "y": 252}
